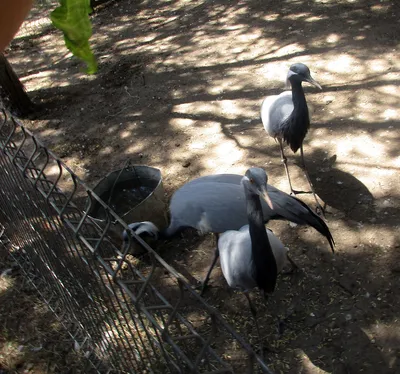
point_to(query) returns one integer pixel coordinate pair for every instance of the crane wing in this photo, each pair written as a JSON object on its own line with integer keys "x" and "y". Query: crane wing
{"x": 274, "y": 111}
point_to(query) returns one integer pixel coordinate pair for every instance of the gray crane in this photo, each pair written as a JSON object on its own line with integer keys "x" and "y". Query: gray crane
{"x": 285, "y": 117}
{"x": 252, "y": 256}
{"x": 217, "y": 203}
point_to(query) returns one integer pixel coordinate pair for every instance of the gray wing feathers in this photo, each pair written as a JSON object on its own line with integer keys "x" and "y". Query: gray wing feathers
{"x": 294, "y": 210}
{"x": 288, "y": 207}
{"x": 285, "y": 206}
{"x": 220, "y": 207}
{"x": 236, "y": 256}
{"x": 216, "y": 178}
{"x": 274, "y": 111}
{"x": 218, "y": 201}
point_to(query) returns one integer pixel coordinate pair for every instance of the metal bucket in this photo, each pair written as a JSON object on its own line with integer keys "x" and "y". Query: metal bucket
{"x": 137, "y": 195}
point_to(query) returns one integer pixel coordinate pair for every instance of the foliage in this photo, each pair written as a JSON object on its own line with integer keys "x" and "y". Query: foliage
{"x": 72, "y": 18}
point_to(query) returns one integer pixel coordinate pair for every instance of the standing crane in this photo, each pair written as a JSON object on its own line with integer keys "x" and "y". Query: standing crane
{"x": 252, "y": 256}
{"x": 285, "y": 117}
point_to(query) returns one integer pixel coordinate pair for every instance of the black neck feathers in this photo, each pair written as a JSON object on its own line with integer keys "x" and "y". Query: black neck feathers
{"x": 265, "y": 270}
{"x": 298, "y": 122}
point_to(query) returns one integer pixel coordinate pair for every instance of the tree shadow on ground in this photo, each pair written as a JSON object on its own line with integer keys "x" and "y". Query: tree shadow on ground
{"x": 339, "y": 189}
{"x": 172, "y": 71}
{"x": 147, "y": 81}
{"x": 337, "y": 306}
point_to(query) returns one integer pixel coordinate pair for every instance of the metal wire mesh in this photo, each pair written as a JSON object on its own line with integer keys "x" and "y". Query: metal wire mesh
{"x": 125, "y": 316}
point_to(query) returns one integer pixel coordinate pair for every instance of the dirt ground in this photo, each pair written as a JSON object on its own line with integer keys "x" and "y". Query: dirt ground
{"x": 179, "y": 88}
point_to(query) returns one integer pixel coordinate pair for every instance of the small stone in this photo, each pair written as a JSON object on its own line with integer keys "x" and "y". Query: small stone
{"x": 29, "y": 366}
{"x": 328, "y": 99}
{"x": 387, "y": 203}
{"x": 186, "y": 163}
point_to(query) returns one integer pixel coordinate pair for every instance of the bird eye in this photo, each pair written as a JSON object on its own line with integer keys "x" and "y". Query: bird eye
{"x": 251, "y": 180}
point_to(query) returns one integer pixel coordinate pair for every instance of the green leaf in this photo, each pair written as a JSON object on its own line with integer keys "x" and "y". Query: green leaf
{"x": 72, "y": 18}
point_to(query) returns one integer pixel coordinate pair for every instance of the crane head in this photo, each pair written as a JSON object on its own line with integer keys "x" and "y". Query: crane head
{"x": 256, "y": 180}
{"x": 301, "y": 73}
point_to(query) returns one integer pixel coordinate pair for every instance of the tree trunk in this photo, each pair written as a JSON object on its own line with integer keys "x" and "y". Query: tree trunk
{"x": 12, "y": 93}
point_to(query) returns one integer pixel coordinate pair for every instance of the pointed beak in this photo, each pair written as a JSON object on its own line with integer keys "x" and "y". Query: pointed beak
{"x": 265, "y": 196}
{"x": 313, "y": 82}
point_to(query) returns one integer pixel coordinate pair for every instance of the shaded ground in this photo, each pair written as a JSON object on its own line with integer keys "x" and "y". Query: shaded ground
{"x": 180, "y": 87}
{"x": 32, "y": 340}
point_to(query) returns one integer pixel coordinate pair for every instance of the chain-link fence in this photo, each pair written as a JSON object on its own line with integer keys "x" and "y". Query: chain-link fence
{"x": 125, "y": 315}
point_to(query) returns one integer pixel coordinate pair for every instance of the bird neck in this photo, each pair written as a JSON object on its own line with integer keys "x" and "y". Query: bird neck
{"x": 264, "y": 263}
{"x": 167, "y": 233}
{"x": 300, "y": 109}
{"x": 298, "y": 122}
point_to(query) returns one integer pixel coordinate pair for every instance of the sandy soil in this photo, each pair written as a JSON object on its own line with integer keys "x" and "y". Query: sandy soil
{"x": 179, "y": 88}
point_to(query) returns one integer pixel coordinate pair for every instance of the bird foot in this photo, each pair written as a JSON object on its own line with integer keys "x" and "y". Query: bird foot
{"x": 293, "y": 266}
{"x": 281, "y": 324}
{"x": 266, "y": 348}
{"x": 292, "y": 270}
{"x": 320, "y": 211}
{"x": 280, "y": 327}
{"x": 281, "y": 321}
{"x": 202, "y": 287}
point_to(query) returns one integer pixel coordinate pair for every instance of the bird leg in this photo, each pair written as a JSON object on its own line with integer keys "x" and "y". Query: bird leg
{"x": 320, "y": 210}
{"x": 284, "y": 160}
{"x": 254, "y": 314}
{"x": 281, "y": 326}
{"x": 216, "y": 255}
{"x": 294, "y": 266}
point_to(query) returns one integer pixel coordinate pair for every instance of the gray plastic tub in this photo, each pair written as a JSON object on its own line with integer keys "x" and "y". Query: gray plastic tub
{"x": 138, "y": 195}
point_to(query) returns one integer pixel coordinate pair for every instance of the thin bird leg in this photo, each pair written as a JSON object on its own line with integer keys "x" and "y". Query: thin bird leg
{"x": 254, "y": 314}
{"x": 320, "y": 210}
{"x": 284, "y": 160}
{"x": 253, "y": 310}
{"x": 294, "y": 266}
{"x": 216, "y": 255}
